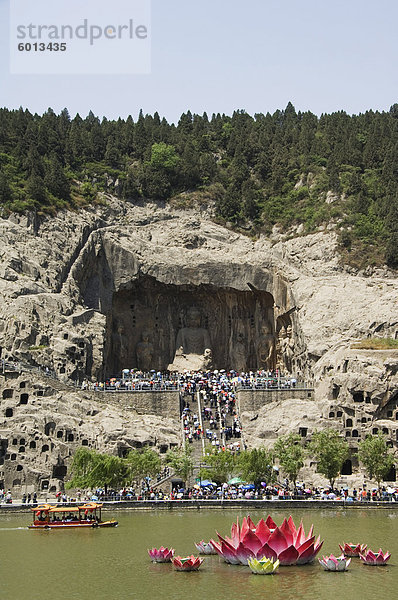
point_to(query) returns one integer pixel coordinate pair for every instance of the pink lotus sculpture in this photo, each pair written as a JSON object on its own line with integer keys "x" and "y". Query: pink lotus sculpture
{"x": 335, "y": 563}
{"x": 161, "y": 555}
{"x": 205, "y": 548}
{"x": 353, "y": 549}
{"x": 379, "y": 559}
{"x": 188, "y": 563}
{"x": 286, "y": 543}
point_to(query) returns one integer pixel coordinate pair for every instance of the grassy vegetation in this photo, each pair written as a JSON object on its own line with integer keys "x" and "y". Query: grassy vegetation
{"x": 376, "y": 344}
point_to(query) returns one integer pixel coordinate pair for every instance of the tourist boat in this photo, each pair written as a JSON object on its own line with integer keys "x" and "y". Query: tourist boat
{"x": 47, "y": 516}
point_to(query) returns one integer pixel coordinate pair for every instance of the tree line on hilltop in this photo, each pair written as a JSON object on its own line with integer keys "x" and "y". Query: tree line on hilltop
{"x": 285, "y": 169}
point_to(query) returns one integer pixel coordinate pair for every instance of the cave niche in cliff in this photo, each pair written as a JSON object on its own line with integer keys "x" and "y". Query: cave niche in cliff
{"x": 151, "y": 313}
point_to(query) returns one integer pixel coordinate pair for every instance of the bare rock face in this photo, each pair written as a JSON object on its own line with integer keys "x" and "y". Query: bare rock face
{"x": 87, "y": 294}
{"x": 42, "y": 423}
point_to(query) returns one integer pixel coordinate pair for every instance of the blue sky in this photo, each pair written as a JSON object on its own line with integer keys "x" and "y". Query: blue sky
{"x": 222, "y": 55}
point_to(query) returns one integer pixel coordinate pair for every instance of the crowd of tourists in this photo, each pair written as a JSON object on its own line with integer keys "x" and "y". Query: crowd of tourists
{"x": 206, "y": 490}
{"x": 135, "y": 380}
{"x": 218, "y": 421}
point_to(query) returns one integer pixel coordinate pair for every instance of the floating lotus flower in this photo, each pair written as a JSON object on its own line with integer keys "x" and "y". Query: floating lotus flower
{"x": 188, "y": 563}
{"x": 335, "y": 563}
{"x": 379, "y": 559}
{"x": 205, "y": 547}
{"x": 264, "y": 566}
{"x": 161, "y": 555}
{"x": 353, "y": 549}
{"x": 286, "y": 543}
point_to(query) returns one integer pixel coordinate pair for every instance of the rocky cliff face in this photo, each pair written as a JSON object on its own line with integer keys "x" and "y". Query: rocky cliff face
{"x": 86, "y": 294}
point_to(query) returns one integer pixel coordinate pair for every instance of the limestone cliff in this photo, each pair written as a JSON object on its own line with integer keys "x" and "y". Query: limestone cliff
{"x": 86, "y": 294}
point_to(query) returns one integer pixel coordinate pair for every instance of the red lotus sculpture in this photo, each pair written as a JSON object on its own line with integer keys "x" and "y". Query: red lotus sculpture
{"x": 353, "y": 549}
{"x": 161, "y": 555}
{"x": 286, "y": 543}
{"x": 379, "y": 559}
{"x": 188, "y": 563}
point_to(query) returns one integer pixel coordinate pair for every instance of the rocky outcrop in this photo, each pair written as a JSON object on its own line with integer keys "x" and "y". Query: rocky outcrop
{"x": 85, "y": 294}
{"x": 42, "y": 422}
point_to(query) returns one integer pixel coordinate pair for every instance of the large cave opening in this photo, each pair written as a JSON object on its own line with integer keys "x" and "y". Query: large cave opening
{"x": 144, "y": 324}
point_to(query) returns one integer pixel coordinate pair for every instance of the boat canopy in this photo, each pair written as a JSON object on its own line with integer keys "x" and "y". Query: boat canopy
{"x": 56, "y": 509}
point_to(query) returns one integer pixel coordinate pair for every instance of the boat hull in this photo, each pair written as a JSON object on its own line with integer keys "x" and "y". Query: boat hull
{"x": 73, "y": 525}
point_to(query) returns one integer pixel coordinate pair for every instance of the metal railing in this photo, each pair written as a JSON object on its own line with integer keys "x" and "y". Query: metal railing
{"x": 272, "y": 385}
{"x": 145, "y": 386}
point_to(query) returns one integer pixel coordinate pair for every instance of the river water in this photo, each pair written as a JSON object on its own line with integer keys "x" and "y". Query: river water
{"x": 113, "y": 564}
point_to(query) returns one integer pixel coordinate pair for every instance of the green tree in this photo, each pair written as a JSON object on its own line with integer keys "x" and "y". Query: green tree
{"x": 112, "y": 154}
{"x": 89, "y": 192}
{"x": 55, "y": 179}
{"x": 220, "y": 466}
{"x": 36, "y": 189}
{"x": 164, "y": 156}
{"x": 374, "y": 455}
{"x": 5, "y": 189}
{"x": 143, "y": 463}
{"x": 290, "y": 452}
{"x": 228, "y": 205}
{"x": 181, "y": 462}
{"x": 330, "y": 451}
{"x": 92, "y": 469}
{"x": 156, "y": 183}
{"x": 249, "y": 199}
{"x": 257, "y": 465}
{"x": 392, "y": 237}
{"x": 132, "y": 187}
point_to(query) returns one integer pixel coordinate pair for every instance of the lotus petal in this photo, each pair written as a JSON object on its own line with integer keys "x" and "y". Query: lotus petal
{"x": 235, "y": 534}
{"x": 229, "y": 554}
{"x": 177, "y": 562}
{"x": 250, "y": 523}
{"x": 197, "y": 562}
{"x": 332, "y": 564}
{"x": 291, "y": 525}
{"x": 216, "y": 546}
{"x": 370, "y": 556}
{"x": 381, "y": 558}
{"x": 300, "y": 536}
{"x": 251, "y": 541}
{"x": 342, "y": 565}
{"x": 227, "y": 540}
{"x": 287, "y": 532}
{"x": 270, "y": 523}
{"x": 267, "y": 552}
{"x": 288, "y": 556}
{"x": 303, "y": 547}
{"x": 308, "y": 555}
{"x": 277, "y": 541}
{"x": 245, "y": 528}
{"x": 318, "y": 544}
{"x": 262, "y": 531}
{"x": 243, "y": 553}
